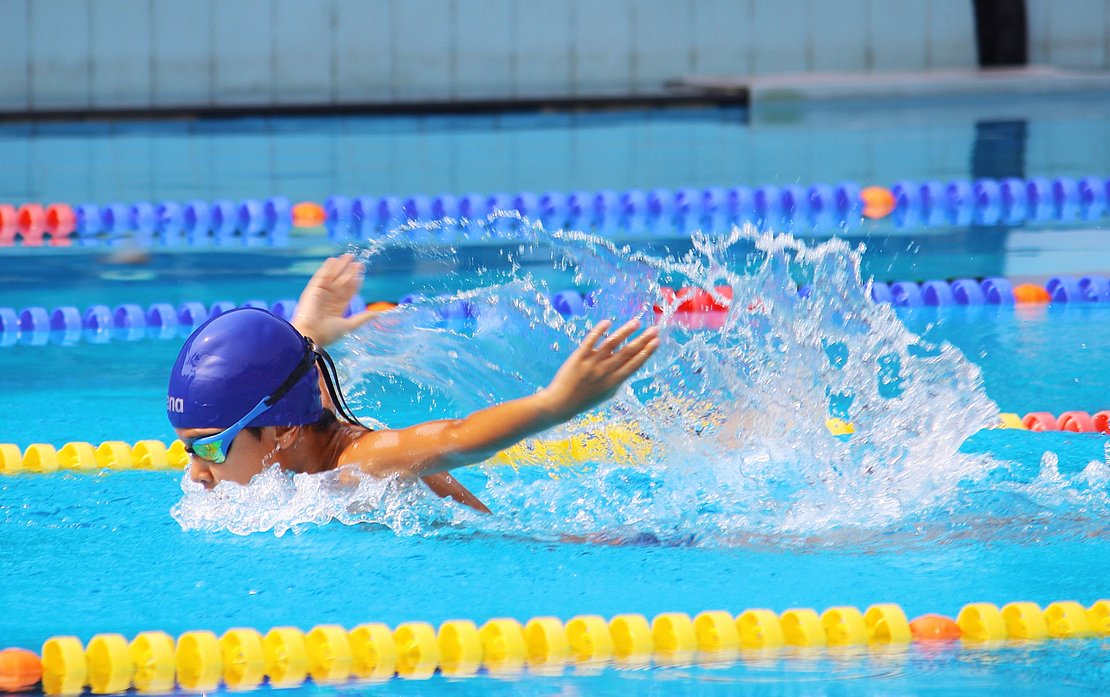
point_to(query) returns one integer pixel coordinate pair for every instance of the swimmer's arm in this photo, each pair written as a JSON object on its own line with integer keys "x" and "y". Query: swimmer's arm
{"x": 590, "y": 376}
{"x": 320, "y": 309}
{"x": 445, "y": 486}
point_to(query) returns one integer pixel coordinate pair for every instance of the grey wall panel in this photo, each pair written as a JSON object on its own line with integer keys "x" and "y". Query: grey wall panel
{"x": 1077, "y": 34}
{"x": 134, "y": 53}
{"x": 662, "y": 43}
{"x": 781, "y": 40}
{"x": 363, "y": 44}
{"x": 302, "y": 51}
{"x": 839, "y": 38}
{"x": 14, "y": 82}
{"x": 897, "y": 35}
{"x": 120, "y": 54}
{"x": 723, "y": 37}
{"x": 602, "y": 40}
{"x": 182, "y": 68}
{"x": 541, "y": 48}
{"x": 59, "y": 55}
{"x": 422, "y": 49}
{"x": 242, "y": 43}
{"x": 951, "y": 35}
{"x": 483, "y": 49}
{"x": 1038, "y": 17}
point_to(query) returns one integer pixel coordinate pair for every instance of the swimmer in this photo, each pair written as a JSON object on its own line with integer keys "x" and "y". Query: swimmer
{"x": 248, "y": 388}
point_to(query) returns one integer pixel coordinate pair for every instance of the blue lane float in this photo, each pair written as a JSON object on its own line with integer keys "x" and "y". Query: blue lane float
{"x": 129, "y": 321}
{"x": 817, "y": 209}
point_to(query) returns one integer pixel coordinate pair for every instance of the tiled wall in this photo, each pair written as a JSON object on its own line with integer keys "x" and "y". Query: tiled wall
{"x": 1070, "y": 34}
{"x": 88, "y": 54}
{"x": 312, "y": 158}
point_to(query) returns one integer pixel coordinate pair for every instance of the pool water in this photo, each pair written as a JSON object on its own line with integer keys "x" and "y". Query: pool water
{"x": 920, "y": 507}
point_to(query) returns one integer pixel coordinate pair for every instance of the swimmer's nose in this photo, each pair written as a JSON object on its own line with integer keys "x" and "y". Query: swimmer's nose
{"x": 201, "y": 473}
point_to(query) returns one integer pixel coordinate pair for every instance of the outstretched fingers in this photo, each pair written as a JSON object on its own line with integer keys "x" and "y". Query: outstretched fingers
{"x": 349, "y": 276}
{"x": 617, "y": 338}
{"x": 631, "y": 349}
{"x": 327, "y": 270}
{"x": 635, "y": 355}
{"x": 591, "y": 339}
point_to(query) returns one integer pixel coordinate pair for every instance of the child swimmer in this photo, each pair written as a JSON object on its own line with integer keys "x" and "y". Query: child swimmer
{"x": 248, "y": 370}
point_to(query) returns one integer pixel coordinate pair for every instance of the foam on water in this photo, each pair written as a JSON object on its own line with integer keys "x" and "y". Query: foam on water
{"x": 736, "y": 415}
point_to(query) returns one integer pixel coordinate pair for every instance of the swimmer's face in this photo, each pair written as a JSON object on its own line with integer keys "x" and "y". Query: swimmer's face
{"x": 246, "y": 457}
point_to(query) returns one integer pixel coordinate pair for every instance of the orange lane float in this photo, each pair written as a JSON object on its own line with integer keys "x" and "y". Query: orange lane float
{"x": 935, "y": 628}
{"x": 308, "y": 214}
{"x": 878, "y": 202}
{"x": 1031, "y": 294}
{"x": 20, "y": 670}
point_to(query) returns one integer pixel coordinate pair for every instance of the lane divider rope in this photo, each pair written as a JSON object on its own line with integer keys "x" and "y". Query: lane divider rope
{"x": 819, "y": 208}
{"x": 611, "y": 443}
{"x": 245, "y": 658}
{"x": 38, "y": 326}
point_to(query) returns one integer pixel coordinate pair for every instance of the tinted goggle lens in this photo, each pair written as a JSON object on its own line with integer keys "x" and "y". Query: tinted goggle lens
{"x": 213, "y": 452}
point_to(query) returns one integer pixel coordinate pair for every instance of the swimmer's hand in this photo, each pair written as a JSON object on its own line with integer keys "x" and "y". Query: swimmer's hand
{"x": 595, "y": 370}
{"x": 589, "y": 376}
{"x": 324, "y": 301}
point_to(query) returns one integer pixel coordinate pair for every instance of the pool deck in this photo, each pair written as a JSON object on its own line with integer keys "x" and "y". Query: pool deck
{"x": 936, "y": 83}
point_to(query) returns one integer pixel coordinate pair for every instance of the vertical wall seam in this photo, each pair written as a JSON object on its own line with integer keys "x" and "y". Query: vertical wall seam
{"x": 572, "y": 67}
{"x": 752, "y": 70}
{"x": 333, "y": 58}
{"x": 453, "y": 51}
{"x": 928, "y": 62}
{"x": 633, "y": 47}
{"x": 89, "y": 67}
{"x": 393, "y": 50}
{"x": 274, "y": 10}
{"x": 212, "y": 87}
{"x": 30, "y": 63}
{"x": 692, "y": 41}
{"x": 513, "y": 19}
{"x": 868, "y": 38}
{"x": 150, "y": 49}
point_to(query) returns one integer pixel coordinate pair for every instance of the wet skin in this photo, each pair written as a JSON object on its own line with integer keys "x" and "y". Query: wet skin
{"x": 304, "y": 451}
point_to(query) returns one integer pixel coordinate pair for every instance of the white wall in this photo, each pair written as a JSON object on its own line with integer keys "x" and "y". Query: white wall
{"x": 95, "y": 54}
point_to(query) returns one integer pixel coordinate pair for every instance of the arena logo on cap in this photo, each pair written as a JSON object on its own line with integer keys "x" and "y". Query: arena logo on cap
{"x": 175, "y": 404}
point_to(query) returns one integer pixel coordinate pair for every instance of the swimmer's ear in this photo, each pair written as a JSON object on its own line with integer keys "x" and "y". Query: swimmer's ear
{"x": 286, "y": 435}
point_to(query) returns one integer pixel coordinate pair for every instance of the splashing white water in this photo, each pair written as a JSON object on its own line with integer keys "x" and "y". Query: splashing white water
{"x": 735, "y": 416}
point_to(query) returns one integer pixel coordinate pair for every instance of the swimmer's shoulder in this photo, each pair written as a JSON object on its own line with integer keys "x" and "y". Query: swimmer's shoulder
{"x": 365, "y": 450}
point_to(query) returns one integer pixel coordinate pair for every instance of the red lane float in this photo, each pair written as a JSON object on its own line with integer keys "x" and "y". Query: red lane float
{"x": 60, "y": 220}
{"x": 1072, "y": 421}
{"x": 9, "y": 224}
{"x": 32, "y": 223}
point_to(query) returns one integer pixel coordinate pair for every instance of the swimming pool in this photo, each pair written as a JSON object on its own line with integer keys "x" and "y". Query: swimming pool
{"x": 714, "y": 524}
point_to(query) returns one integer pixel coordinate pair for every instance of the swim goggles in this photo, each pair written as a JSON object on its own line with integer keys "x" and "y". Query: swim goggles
{"x": 214, "y": 448}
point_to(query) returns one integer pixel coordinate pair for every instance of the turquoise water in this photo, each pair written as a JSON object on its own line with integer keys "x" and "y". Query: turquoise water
{"x": 921, "y": 508}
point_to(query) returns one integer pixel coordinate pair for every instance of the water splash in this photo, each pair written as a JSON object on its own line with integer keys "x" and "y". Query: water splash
{"x": 735, "y": 415}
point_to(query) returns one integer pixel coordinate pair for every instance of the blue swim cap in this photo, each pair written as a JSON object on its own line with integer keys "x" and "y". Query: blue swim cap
{"x": 233, "y": 361}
